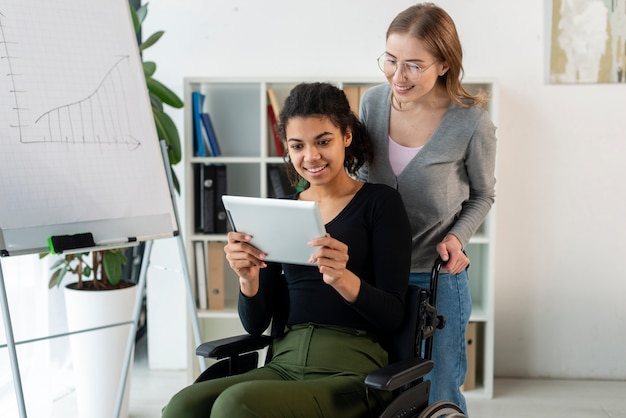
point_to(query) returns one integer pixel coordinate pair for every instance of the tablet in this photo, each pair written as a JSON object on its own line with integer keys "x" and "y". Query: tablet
{"x": 280, "y": 228}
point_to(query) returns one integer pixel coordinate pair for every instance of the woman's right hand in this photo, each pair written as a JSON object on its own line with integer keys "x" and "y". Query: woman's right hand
{"x": 245, "y": 260}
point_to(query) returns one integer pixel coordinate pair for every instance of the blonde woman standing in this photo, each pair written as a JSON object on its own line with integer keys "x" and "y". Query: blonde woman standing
{"x": 436, "y": 145}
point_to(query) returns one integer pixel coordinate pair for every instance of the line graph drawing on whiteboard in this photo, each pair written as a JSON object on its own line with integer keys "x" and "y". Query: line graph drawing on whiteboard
{"x": 101, "y": 116}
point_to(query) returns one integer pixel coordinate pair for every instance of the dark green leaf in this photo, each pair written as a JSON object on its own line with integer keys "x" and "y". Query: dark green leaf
{"x": 168, "y": 132}
{"x": 153, "y": 39}
{"x": 135, "y": 18}
{"x": 165, "y": 94}
{"x": 149, "y": 68}
{"x": 113, "y": 262}
{"x": 175, "y": 180}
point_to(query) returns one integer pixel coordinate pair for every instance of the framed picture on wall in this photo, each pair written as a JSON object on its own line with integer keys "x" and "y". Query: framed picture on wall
{"x": 587, "y": 41}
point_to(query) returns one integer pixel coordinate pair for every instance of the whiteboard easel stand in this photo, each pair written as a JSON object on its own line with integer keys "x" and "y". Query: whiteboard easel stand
{"x": 8, "y": 330}
{"x": 8, "y": 327}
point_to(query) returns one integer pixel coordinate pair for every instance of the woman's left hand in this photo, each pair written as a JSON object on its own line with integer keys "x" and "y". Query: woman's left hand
{"x": 451, "y": 252}
{"x": 332, "y": 258}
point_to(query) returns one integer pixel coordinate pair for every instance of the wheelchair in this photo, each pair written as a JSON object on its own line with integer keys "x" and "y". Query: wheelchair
{"x": 410, "y": 355}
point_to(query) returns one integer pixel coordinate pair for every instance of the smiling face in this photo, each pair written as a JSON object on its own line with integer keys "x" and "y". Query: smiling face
{"x": 404, "y": 49}
{"x": 317, "y": 149}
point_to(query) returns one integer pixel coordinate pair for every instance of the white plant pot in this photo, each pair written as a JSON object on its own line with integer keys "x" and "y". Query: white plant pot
{"x": 98, "y": 356}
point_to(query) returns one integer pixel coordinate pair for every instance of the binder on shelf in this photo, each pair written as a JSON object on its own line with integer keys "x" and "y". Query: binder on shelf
{"x": 197, "y": 100}
{"x": 221, "y": 219}
{"x": 279, "y": 183}
{"x": 201, "y": 275}
{"x": 210, "y": 134}
{"x": 215, "y": 289}
{"x": 470, "y": 341}
{"x": 210, "y": 185}
{"x": 271, "y": 117}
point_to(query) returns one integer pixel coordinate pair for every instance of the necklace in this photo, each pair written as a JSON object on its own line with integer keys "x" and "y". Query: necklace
{"x": 397, "y": 106}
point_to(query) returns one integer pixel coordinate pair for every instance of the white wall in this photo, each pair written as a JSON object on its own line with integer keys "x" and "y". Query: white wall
{"x": 560, "y": 264}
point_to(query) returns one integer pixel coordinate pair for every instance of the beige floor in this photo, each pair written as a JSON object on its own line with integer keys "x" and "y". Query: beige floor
{"x": 513, "y": 398}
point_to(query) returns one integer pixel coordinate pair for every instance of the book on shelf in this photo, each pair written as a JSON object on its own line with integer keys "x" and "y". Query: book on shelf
{"x": 209, "y": 186}
{"x": 202, "y": 299}
{"x": 197, "y": 101}
{"x": 209, "y": 130}
{"x": 279, "y": 181}
{"x": 215, "y": 278}
{"x": 273, "y": 99}
{"x": 271, "y": 117}
{"x": 354, "y": 93}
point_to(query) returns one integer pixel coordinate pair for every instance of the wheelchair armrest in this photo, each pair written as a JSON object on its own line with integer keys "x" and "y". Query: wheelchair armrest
{"x": 398, "y": 374}
{"x": 232, "y": 346}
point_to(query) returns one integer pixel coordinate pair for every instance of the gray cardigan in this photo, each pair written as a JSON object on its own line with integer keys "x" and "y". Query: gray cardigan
{"x": 449, "y": 186}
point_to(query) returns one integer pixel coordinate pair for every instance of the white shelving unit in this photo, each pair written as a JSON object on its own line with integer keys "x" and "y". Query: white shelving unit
{"x": 238, "y": 109}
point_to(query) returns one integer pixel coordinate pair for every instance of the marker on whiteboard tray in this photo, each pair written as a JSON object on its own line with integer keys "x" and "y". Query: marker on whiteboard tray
{"x": 59, "y": 243}
{"x": 116, "y": 242}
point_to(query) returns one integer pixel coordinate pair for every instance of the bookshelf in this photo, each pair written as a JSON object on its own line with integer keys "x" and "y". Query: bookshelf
{"x": 238, "y": 108}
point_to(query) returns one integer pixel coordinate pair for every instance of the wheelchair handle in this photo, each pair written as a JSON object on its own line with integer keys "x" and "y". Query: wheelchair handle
{"x": 439, "y": 320}
{"x": 434, "y": 280}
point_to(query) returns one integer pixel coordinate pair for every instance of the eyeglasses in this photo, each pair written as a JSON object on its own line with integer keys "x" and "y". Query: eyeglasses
{"x": 412, "y": 71}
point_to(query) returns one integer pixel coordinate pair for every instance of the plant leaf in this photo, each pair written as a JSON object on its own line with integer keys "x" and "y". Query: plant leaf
{"x": 135, "y": 18}
{"x": 113, "y": 262}
{"x": 57, "y": 263}
{"x": 54, "y": 279}
{"x": 142, "y": 12}
{"x": 152, "y": 39}
{"x": 155, "y": 102}
{"x": 175, "y": 180}
{"x": 168, "y": 132}
{"x": 164, "y": 93}
{"x": 149, "y": 68}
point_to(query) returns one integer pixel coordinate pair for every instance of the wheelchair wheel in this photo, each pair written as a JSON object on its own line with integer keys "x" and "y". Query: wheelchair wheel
{"x": 442, "y": 409}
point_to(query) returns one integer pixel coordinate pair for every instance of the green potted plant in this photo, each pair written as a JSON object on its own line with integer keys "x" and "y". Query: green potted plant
{"x": 159, "y": 95}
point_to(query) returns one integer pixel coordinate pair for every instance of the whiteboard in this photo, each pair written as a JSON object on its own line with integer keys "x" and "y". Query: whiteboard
{"x": 78, "y": 146}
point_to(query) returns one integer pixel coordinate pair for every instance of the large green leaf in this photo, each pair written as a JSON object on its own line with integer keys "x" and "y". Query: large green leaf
{"x": 151, "y": 40}
{"x": 164, "y": 93}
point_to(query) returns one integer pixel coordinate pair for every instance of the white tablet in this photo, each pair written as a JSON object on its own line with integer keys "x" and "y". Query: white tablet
{"x": 280, "y": 228}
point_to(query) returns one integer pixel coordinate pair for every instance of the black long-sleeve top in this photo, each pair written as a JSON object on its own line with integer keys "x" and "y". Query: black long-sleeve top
{"x": 375, "y": 227}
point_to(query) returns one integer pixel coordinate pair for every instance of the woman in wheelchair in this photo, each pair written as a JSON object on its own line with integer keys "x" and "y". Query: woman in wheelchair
{"x": 341, "y": 307}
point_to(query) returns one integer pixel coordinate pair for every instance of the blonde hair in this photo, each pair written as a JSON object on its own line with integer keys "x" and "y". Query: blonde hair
{"x": 433, "y": 26}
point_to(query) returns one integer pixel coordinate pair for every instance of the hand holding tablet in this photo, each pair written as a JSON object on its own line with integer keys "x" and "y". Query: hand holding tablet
{"x": 281, "y": 228}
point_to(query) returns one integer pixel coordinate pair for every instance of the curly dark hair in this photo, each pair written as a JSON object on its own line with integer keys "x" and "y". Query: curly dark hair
{"x": 325, "y": 99}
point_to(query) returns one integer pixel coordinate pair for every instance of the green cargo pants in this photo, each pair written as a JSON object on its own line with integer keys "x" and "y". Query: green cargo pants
{"x": 316, "y": 371}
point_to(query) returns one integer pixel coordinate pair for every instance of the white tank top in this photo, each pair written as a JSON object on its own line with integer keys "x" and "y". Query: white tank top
{"x": 400, "y": 156}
